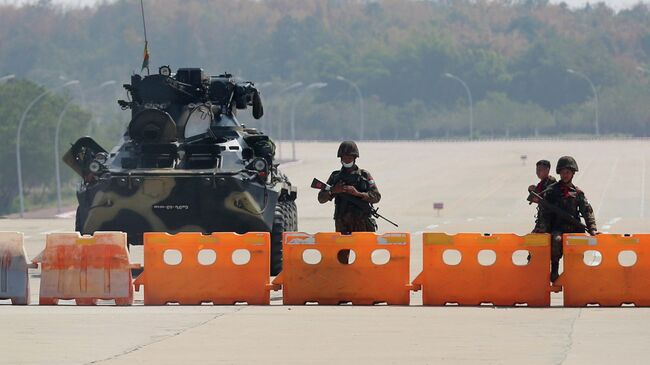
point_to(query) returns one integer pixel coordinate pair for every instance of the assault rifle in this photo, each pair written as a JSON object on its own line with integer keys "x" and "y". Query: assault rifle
{"x": 366, "y": 208}
{"x": 533, "y": 197}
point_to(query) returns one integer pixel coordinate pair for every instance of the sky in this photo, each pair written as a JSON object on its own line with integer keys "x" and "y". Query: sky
{"x": 616, "y": 4}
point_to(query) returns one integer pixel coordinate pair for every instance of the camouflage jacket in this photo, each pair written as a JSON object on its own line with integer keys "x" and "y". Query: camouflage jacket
{"x": 540, "y": 189}
{"x": 544, "y": 184}
{"x": 362, "y": 181}
{"x": 572, "y": 200}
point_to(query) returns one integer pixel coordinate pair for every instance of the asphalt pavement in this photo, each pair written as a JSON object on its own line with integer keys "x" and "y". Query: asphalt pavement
{"x": 483, "y": 188}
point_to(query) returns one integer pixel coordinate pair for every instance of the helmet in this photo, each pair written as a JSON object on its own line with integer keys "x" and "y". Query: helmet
{"x": 566, "y": 162}
{"x": 348, "y": 148}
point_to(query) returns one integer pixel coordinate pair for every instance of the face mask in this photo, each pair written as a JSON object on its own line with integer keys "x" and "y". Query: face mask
{"x": 347, "y": 165}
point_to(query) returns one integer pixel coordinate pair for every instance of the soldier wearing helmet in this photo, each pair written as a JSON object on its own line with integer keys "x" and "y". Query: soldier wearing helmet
{"x": 568, "y": 197}
{"x": 356, "y": 183}
{"x": 542, "y": 169}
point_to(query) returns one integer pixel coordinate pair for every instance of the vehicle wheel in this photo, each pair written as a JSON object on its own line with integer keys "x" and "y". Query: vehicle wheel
{"x": 279, "y": 225}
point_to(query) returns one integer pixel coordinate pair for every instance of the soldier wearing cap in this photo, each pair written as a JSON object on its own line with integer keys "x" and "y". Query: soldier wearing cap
{"x": 357, "y": 184}
{"x": 569, "y": 198}
{"x": 542, "y": 169}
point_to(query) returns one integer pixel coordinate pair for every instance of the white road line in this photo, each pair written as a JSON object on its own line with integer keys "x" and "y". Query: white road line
{"x": 611, "y": 223}
{"x": 609, "y": 182}
{"x": 69, "y": 214}
{"x": 643, "y": 188}
{"x": 52, "y": 231}
{"x": 432, "y": 226}
{"x": 614, "y": 220}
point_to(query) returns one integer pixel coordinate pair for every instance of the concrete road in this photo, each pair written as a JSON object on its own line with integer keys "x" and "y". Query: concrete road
{"x": 482, "y": 185}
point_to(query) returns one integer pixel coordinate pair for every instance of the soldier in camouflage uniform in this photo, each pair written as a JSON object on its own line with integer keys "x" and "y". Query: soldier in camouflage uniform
{"x": 357, "y": 184}
{"x": 542, "y": 169}
{"x": 568, "y": 197}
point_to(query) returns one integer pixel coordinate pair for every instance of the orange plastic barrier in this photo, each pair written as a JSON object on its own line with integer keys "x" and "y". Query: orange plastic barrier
{"x": 191, "y": 268}
{"x": 313, "y": 269}
{"x": 14, "y": 276}
{"x": 459, "y": 269}
{"x": 85, "y": 268}
{"x": 608, "y": 269}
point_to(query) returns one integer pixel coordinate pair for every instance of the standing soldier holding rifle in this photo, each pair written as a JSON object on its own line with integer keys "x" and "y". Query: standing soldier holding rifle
{"x": 563, "y": 206}
{"x": 353, "y": 190}
{"x": 542, "y": 169}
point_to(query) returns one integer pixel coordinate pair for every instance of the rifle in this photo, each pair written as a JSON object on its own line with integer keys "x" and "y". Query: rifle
{"x": 317, "y": 184}
{"x": 559, "y": 212}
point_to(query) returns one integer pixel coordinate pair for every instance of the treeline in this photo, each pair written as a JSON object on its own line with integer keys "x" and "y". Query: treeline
{"x": 37, "y": 145}
{"x": 513, "y": 56}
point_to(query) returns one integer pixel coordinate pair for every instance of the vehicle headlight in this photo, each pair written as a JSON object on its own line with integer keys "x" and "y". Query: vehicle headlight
{"x": 94, "y": 167}
{"x": 259, "y": 165}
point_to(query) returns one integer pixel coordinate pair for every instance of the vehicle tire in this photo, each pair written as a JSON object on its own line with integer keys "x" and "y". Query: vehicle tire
{"x": 285, "y": 220}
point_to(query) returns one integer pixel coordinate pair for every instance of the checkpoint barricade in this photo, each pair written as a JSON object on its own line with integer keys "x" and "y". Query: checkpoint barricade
{"x": 14, "y": 275}
{"x": 319, "y": 268}
{"x": 474, "y": 268}
{"x": 608, "y": 269}
{"x": 193, "y": 268}
{"x": 85, "y": 269}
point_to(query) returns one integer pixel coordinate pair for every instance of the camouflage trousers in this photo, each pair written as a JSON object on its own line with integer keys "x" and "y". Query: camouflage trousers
{"x": 349, "y": 224}
{"x": 556, "y": 247}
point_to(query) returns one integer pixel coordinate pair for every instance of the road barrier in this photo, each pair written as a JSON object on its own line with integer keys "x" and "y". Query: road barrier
{"x": 330, "y": 268}
{"x": 14, "y": 276}
{"x": 85, "y": 268}
{"x": 474, "y": 268}
{"x": 192, "y": 268}
{"x": 608, "y": 269}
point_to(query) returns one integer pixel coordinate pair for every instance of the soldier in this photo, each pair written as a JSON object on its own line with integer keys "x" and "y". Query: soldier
{"x": 569, "y": 198}
{"x": 354, "y": 183}
{"x": 542, "y": 169}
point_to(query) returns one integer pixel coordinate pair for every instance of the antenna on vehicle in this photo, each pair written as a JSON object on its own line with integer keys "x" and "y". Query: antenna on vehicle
{"x": 145, "y": 61}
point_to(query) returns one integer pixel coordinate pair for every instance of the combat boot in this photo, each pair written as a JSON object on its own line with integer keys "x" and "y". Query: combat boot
{"x": 555, "y": 268}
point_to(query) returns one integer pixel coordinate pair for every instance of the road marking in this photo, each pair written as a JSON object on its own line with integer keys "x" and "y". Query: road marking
{"x": 70, "y": 214}
{"x": 614, "y": 220}
{"x": 609, "y": 182}
{"x": 432, "y": 226}
{"x": 52, "y": 231}
{"x": 611, "y": 223}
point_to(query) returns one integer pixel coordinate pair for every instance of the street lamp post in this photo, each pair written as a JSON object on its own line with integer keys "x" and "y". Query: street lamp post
{"x": 361, "y": 105}
{"x": 471, "y": 102}
{"x": 293, "y": 86}
{"x": 593, "y": 89}
{"x": 56, "y": 140}
{"x": 20, "y": 128}
{"x": 7, "y": 78}
{"x": 315, "y": 85}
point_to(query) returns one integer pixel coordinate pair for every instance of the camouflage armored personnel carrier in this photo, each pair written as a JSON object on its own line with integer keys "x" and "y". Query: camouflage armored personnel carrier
{"x": 185, "y": 164}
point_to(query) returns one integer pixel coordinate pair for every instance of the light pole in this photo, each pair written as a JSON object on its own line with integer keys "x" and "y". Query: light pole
{"x": 293, "y": 86}
{"x": 471, "y": 102}
{"x": 361, "y": 108}
{"x": 7, "y": 78}
{"x": 56, "y": 141}
{"x": 20, "y": 128}
{"x": 593, "y": 89}
{"x": 315, "y": 85}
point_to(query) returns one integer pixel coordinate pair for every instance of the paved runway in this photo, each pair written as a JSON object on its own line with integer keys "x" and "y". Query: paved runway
{"x": 482, "y": 185}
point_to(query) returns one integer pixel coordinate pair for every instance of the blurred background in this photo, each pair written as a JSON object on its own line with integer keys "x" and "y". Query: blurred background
{"x": 343, "y": 69}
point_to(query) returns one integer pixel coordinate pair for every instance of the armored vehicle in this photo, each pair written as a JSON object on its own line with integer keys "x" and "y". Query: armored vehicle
{"x": 185, "y": 164}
